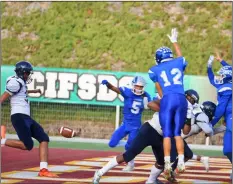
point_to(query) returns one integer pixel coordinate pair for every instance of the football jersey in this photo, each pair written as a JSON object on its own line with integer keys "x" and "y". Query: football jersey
{"x": 133, "y": 104}
{"x": 169, "y": 75}
{"x": 155, "y": 123}
{"x": 17, "y": 88}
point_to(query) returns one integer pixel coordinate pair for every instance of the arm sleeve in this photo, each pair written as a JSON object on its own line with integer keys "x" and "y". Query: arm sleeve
{"x": 203, "y": 122}
{"x": 13, "y": 86}
{"x": 184, "y": 64}
{"x": 123, "y": 91}
{"x": 224, "y": 63}
{"x": 211, "y": 76}
{"x": 220, "y": 109}
{"x": 153, "y": 76}
{"x": 219, "y": 129}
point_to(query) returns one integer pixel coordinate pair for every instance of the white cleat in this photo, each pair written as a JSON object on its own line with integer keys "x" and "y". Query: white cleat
{"x": 128, "y": 168}
{"x": 205, "y": 161}
{"x": 180, "y": 168}
{"x": 96, "y": 178}
{"x": 167, "y": 170}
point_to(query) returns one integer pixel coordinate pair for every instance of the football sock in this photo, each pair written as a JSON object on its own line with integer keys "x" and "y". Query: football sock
{"x": 111, "y": 164}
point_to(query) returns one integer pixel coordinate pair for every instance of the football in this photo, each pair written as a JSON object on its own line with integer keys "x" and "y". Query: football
{"x": 66, "y": 132}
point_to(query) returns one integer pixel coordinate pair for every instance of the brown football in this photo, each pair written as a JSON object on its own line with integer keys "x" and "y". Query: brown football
{"x": 66, "y": 132}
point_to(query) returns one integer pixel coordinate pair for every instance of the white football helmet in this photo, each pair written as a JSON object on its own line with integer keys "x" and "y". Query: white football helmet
{"x": 139, "y": 81}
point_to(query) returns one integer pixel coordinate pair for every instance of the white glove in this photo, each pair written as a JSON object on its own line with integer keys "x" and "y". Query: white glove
{"x": 145, "y": 102}
{"x": 173, "y": 36}
{"x": 210, "y": 61}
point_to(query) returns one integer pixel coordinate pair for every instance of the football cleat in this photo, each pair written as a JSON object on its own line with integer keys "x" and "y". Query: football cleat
{"x": 96, "y": 178}
{"x": 46, "y": 173}
{"x": 205, "y": 161}
{"x": 167, "y": 170}
{"x": 180, "y": 168}
{"x": 128, "y": 168}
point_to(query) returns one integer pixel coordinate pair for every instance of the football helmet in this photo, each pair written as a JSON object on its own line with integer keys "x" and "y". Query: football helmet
{"x": 209, "y": 108}
{"x": 163, "y": 54}
{"x": 138, "y": 81}
{"x": 23, "y": 67}
{"x": 225, "y": 75}
{"x": 193, "y": 94}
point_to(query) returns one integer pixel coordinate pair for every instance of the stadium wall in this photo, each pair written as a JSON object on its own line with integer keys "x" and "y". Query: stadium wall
{"x": 75, "y": 98}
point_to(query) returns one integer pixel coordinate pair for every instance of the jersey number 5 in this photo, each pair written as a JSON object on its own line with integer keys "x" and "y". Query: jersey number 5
{"x": 176, "y": 77}
{"x": 135, "y": 107}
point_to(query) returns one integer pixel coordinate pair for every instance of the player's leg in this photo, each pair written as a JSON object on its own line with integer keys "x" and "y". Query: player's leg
{"x": 39, "y": 134}
{"x": 203, "y": 159}
{"x": 22, "y": 128}
{"x": 180, "y": 115}
{"x": 166, "y": 115}
{"x": 188, "y": 154}
{"x": 157, "y": 168}
{"x": 227, "y": 145}
{"x": 132, "y": 134}
{"x": 117, "y": 135}
{"x": 137, "y": 146}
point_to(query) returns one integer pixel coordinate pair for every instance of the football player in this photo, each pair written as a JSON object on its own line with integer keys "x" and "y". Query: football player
{"x": 135, "y": 101}
{"x": 223, "y": 84}
{"x": 24, "y": 125}
{"x": 150, "y": 134}
{"x": 168, "y": 77}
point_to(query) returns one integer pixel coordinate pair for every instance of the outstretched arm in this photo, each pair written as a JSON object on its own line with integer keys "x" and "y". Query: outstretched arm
{"x": 210, "y": 72}
{"x": 219, "y": 58}
{"x": 34, "y": 91}
{"x": 110, "y": 86}
{"x": 173, "y": 38}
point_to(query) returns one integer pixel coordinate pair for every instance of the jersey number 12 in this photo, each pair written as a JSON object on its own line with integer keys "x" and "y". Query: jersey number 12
{"x": 176, "y": 77}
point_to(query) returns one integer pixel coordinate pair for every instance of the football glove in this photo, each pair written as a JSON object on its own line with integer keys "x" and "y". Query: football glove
{"x": 104, "y": 82}
{"x": 210, "y": 61}
{"x": 173, "y": 36}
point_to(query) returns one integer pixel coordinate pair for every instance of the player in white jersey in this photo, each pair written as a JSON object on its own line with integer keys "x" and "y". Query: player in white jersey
{"x": 24, "y": 125}
{"x": 150, "y": 134}
{"x": 202, "y": 115}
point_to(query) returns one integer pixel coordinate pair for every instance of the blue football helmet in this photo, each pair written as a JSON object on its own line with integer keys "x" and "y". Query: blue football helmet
{"x": 139, "y": 81}
{"x": 163, "y": 54}
{"x": 23, "y": 67}
{"x": 209, "y": 108}
{"x": 225, "y": 75}
{"x": 193, "y": 94}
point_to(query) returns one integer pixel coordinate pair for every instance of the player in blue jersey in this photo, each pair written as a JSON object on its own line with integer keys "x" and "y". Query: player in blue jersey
{"x": 135, "y": 101}
{"x": 223, "y": 83}
{"x": 168, "y": 75}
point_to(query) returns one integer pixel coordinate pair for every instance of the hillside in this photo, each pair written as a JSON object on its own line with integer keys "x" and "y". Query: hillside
{"x": 120, "y": 36}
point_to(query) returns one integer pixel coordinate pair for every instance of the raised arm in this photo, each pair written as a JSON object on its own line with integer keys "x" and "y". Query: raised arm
{"x": 219, "y": 58}
{"x": 110, "y": 86}
{"x": 210, "y": 72}
{"x": 173, "y": 38}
